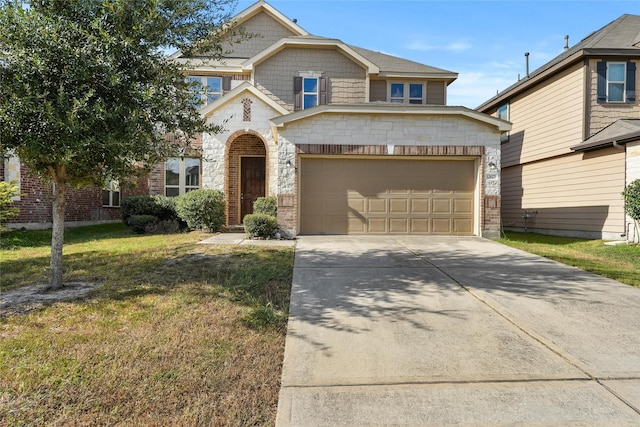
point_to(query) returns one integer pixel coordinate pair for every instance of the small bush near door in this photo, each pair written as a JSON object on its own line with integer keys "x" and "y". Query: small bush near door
{"x": 151, "y": 214}
{"x": 266, "y": 205}
{"x": 260, "y": 225}
{"x": 202, "y": 209}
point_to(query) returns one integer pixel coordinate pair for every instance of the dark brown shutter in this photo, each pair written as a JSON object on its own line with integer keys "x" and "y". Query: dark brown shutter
{"x": 226, "y": 83}
{"x": 631, "y": 82}
{"x": 297, "y": 93}
{"x": 323, "y": 90}
{"x": 601, "y": 69}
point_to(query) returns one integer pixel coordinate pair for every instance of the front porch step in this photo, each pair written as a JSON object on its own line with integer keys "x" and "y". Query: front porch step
{"x": 234, "y": 229}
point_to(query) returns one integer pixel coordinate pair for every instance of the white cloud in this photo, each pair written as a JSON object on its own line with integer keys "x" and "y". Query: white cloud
{"x": 472, "y": 88}
{"x": 456, "y": 46}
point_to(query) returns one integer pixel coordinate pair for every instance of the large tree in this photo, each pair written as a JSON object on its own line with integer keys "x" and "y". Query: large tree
{"x": 87, "y": 93}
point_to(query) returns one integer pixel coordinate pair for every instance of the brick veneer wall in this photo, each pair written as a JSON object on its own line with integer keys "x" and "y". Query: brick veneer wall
{"x": 241, "y": 144}
{"x": 82, "y": 205}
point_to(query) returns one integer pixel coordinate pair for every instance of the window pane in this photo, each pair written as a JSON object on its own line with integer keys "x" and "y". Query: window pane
{"x": 311, "y": 85}
{"x": 616, "y": 92}
{"x": 105, "y": 198}
{"x": 397, "y": 101}
{"x": 616, "y": 72}
{"x": 310, "y": 101}
{"x": 172, "y": 192}
{"x": 397, "y": 90}
{"x": 214, "y": 84}
{"x": 192, "y": 172}
{"x": 115, "y": 198}
{"x": 172, "y": 172}
{"x": 415, "y": 101}
{"x": 503, "y": 112}
{"x": 415, "y": 91}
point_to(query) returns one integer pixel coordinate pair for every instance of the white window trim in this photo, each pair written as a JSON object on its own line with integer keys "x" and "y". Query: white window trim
{"x": 406, "y": 95}
{"x": 204, "y": 94}
{"x": 112, "y": 186}
{"x": 623, "y": 82}
{"x": 182, "y": 176}
{"x": 311, "y": 75}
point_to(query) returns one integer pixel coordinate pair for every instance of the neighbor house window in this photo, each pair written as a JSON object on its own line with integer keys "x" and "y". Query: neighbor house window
{"x": 181, "y": 176}
{"x": 406, "y": 93}
{"x": 616, "y": 82}
{"x": 111, "y": 194}
{"x": 208, "y": 89}
{"x": 503, "y": 113}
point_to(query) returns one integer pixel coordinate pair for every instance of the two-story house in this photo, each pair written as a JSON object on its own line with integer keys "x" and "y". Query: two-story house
{"x": 349, "y": 140}
{"x": 575, "y": 141}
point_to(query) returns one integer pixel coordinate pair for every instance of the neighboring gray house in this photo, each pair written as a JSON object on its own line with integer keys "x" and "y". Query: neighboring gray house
{"x": 575, "y": 141}
{"x": 349, "y": 140}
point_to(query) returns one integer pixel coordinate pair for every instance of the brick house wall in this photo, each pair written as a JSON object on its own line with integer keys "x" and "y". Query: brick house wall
{"x": 82, "y": 205}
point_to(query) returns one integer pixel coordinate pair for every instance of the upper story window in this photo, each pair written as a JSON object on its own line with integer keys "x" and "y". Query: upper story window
{"x": 406, "y": 93}
{"x": 309, "y": 91}
{"x": 503, "y": 113}
{"x": 111, "y": 194}
{"x": 206, "y": 89}
{"x": 181, "y": 175}
{"x": 616, "y": 82}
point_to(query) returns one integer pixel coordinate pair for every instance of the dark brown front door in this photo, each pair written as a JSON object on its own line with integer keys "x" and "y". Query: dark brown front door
{"x": 252, "y": 183}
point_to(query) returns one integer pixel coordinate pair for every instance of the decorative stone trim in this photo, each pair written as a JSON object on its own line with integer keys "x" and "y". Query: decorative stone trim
{"x": 246, "y": 109}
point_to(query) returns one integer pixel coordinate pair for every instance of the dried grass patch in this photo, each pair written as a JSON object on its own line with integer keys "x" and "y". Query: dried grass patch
{"x": 164, "y": 341}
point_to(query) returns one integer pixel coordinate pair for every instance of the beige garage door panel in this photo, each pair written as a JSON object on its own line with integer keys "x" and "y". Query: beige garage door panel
{"x": 357, "y": 196}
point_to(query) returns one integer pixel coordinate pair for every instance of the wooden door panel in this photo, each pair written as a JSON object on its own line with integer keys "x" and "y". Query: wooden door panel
{"x": 252, "y": 183}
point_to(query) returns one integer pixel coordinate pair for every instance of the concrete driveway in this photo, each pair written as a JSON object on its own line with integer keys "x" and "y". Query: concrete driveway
{"x": 412, "y": 331}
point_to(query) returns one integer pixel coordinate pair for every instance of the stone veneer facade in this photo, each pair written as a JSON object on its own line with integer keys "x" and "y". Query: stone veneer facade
{"x": 370, "y": 134}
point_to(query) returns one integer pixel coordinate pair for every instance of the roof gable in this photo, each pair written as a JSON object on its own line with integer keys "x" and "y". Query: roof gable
{"x": 620, "y": 37}
{"x": 242, "y": 89}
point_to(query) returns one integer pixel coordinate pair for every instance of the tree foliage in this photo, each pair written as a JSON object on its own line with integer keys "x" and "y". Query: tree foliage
{"x": 8, "y": 190}
{"x": 631, "y": 196}
{"x": 87, "y": 94}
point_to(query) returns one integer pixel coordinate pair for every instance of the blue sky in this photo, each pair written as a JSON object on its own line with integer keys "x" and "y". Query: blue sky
{"x": 483, "y": 41}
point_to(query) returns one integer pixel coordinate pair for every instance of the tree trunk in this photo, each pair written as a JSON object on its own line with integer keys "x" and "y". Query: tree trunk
{"x": 57, "y": 236}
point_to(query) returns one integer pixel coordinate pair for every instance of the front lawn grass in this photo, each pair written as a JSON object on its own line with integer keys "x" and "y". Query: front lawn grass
{"x": 176, "y": 333}
{"x": 620, "y": 262}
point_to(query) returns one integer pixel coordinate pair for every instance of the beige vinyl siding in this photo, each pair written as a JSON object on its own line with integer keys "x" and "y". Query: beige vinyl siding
{"x": 547, "y": 120}
{"x": 378, "y": 90}
{"x": 266, "y": 31}
{"x": 346, "y": 79}
{"x": 602, "y": 115}
{"x": 436, "y": 93}
{"x": 580, "y": 191}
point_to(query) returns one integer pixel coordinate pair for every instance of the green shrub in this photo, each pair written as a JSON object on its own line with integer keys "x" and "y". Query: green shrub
{"x": 631, "y": 196}
{"x": 161, "y": 207}
{"x": 141, "y": 224}
{"x": 260, "y": 225}
{"x": 202, "y": 209}
{"x": 8, "y": 190}
{"x": 266, "y": 205}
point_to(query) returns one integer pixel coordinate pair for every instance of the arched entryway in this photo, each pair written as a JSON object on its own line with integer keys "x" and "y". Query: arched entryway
{"x": 246, "y": 174}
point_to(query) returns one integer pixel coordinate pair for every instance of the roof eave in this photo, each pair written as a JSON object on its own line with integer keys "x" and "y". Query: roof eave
{"x": 501, "y": 125}
{"x": 607, "y": 142}
{"x": 250, "y": 63}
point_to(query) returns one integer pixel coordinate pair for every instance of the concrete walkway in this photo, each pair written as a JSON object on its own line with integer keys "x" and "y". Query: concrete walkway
{"x": 242, "y": 239}
{"x": 414, "y": 331}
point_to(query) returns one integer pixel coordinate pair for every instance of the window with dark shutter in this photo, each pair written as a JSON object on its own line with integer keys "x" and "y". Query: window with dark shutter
{"x": 631, "y": 82}
{"x": 323, "y": 91}
{"x": 297, "y": 93}
{"x": 602, "y": 82}
{"x": 226, "y": 83}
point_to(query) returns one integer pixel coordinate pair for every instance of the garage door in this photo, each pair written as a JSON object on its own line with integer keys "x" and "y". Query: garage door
{"x": 386, "y": 196}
